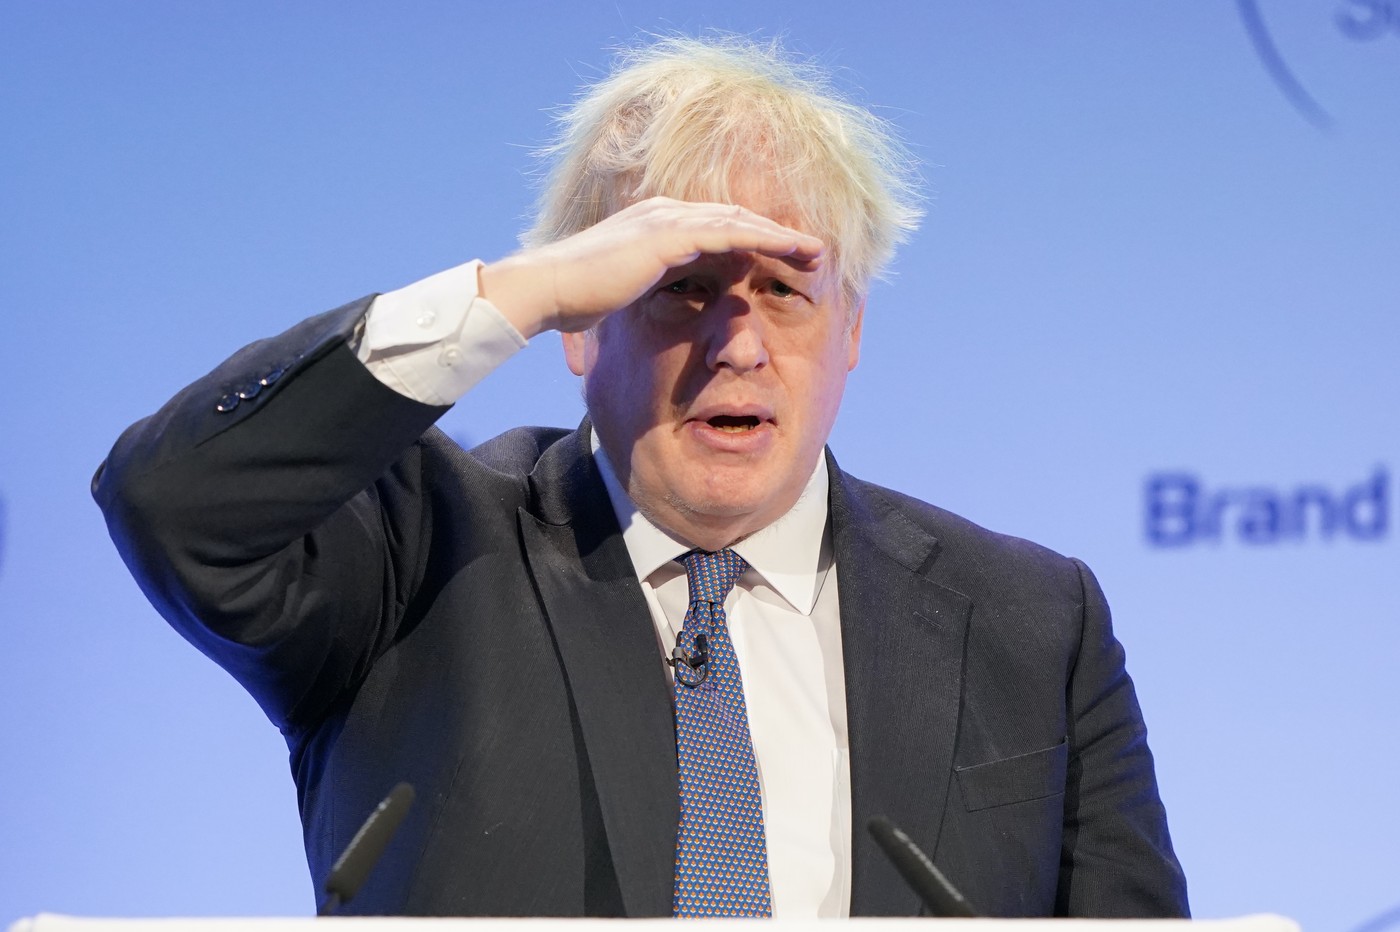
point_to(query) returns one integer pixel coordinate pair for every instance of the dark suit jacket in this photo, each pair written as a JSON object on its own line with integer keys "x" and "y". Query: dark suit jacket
{"x": 470, "y": 623}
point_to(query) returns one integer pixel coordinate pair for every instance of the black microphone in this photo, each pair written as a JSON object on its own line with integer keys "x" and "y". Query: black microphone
{"x": 691, "y": 668}
{"x": 941, "y": 897}
{"x": 364, "y": 850}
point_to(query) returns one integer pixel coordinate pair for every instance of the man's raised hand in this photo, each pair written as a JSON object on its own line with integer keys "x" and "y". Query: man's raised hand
{"x": 571, "y": 284}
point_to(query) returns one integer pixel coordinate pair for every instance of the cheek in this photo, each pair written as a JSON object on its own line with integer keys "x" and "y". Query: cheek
{"x": 660, "y": 379}
{"x": 625, "y": 389}
{"x": 822, "y": 385}
{"x": 826, "y": 397}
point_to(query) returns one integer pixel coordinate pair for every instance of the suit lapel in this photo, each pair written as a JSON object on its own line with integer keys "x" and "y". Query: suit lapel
{"x": 902, "y": 638}
{"x": 602, "y": 627}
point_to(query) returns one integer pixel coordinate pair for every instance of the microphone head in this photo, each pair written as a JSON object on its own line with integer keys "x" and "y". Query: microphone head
{"x": 364, "y": 850}
{"x": 938, "y": 894}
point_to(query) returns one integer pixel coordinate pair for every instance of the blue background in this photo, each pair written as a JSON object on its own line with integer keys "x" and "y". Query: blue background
{"x": 1140, "y": 257}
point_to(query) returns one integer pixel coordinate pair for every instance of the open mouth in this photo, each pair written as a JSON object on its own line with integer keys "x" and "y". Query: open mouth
{"x": 733, "y": 424}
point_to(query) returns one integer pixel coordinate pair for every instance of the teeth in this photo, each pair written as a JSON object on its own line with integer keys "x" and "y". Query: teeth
{"x": 733, "y": 423}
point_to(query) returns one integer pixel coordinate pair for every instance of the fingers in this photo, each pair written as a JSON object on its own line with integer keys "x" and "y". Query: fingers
{"x": 696, "y": 228}
{"x": 756, "y": 233}
{"x": 760, "y": 235}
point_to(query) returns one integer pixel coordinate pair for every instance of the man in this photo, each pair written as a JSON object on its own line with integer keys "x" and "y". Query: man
{"x": 583, "y": 648}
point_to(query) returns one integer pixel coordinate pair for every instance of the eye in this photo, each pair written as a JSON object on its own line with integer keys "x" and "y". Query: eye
{"x": 679, "y": 286}
{"x": 782, "y": 289}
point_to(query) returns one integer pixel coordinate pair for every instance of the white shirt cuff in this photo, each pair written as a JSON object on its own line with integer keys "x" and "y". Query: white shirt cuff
{"x": 436, "y": 338}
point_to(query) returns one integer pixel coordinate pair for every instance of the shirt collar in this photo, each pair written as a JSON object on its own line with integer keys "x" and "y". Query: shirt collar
{"x": 786, "y": 553}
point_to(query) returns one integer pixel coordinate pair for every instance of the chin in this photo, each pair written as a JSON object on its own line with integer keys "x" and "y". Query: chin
{"x": 700, "y": 507}
{"x": 732, "y": 502}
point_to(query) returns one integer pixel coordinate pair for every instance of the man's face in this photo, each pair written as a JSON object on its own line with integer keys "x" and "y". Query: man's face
{"x": 714, "y": 393}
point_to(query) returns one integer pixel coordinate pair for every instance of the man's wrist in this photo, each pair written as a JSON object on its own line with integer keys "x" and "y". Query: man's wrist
{"x": 436, "y": 338}
{"x": 521, "y": 291}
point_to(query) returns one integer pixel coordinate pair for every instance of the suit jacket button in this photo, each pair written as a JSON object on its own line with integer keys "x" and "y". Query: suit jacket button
{"x": 250, "y": 391}
{"x": 271, "y": 377}
{"x": 227, "y": 403}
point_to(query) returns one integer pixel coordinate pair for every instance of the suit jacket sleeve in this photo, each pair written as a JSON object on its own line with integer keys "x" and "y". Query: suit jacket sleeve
{"x": 1116, "y": 854}
{"x": 248, "y": 509}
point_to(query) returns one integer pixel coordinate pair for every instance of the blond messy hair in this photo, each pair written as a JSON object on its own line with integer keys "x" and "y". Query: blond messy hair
{"x": 689, "y": 118}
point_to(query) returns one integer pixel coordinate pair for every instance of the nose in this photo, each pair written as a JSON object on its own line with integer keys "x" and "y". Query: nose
{"x": 736, "y": 336}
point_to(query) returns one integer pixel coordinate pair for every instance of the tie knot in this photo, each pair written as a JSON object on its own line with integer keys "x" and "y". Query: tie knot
{"x": 712, "y": 574}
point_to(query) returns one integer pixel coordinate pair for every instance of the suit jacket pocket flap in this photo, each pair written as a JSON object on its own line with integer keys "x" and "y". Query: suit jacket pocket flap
{"x": 1014, "y": 779}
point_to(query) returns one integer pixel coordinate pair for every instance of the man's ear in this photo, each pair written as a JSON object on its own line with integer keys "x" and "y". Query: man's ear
{"x": 853, "y": 337}
{"x": 576, "y": 351}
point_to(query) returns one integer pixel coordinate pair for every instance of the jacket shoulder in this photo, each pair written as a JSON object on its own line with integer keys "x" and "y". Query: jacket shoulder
{"x": 969, "y": 557}
{"x": 517, "y": 451}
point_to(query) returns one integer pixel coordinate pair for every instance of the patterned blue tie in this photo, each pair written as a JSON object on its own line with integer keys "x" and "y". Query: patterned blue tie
{"x": 721, "y": 855}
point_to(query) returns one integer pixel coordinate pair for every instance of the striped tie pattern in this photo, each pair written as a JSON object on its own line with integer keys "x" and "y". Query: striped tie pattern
{"x": 721, "y": 854}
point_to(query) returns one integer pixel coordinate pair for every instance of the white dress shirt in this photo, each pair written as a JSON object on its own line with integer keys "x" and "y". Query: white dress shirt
{"x": 434, "y": 340}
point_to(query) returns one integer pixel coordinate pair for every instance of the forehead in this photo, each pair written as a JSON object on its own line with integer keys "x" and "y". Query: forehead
{"x": 760, "y": 188}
